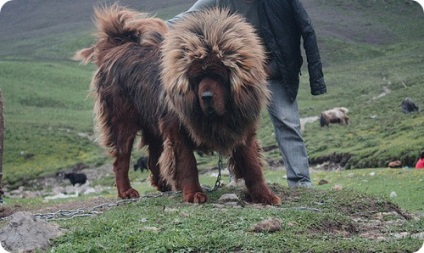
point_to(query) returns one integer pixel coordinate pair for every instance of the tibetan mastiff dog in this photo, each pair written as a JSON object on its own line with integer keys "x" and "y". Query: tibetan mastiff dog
{"x": 199, "y": 85}
{"x": 214, "y": 80}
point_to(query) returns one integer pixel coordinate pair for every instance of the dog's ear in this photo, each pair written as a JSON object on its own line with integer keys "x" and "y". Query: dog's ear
{"x": 85, "y": 55}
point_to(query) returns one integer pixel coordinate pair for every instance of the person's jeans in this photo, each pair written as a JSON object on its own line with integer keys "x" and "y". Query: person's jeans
{"x": 284, "y": 115}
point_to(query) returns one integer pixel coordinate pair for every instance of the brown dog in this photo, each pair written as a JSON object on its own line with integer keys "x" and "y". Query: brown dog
{"x": 126, "y": 88}
{"x": 213, "y": 97}
{"x": 215, "y": 81}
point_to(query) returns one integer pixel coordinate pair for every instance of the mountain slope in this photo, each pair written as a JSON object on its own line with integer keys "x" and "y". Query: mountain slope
{"x": 47, "y": 29}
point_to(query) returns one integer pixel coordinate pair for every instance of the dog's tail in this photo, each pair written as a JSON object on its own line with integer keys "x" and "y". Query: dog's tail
{"x": 116, "y": 26}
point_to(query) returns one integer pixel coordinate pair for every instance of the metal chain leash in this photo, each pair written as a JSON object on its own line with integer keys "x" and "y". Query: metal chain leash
{"x": 70, "y": 214}
{"x": 93, "y": 211}
{"x": 61, "y": 215}
{"x": 218, "y": 178}
{"x": 99, "y": 209}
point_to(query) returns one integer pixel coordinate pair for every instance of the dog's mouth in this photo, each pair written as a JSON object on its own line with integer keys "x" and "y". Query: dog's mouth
{"x": 209, "y": 111}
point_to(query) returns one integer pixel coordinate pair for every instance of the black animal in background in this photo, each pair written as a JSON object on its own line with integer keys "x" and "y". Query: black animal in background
{"x": 76, "y": 178}
{"x": 408, "y": 105}
{"x": 142, "y": 164}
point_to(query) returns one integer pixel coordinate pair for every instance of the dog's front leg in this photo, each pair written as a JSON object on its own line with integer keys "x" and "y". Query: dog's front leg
{"x": 178, "y": 164}
{"x": 246, "y": 161}
{"x": 187, "y": 176}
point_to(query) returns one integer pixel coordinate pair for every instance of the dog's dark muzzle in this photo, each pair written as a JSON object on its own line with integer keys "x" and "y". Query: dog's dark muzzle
{"x": 207, "y": 101}
{"x": 207, "y": 97}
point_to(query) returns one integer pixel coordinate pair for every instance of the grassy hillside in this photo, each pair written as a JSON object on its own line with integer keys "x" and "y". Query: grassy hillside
{"x": 379, "y": 46}
{"x": 51, "y": 30}
{"x": 367, "y": 47}
{"x": 352, "y": 213}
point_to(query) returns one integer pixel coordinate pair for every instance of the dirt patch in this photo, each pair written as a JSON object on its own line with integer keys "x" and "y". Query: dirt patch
{"x": 6, "y": 211}
{"x": 357, "y": 215}
{"x": 331, "y": 162}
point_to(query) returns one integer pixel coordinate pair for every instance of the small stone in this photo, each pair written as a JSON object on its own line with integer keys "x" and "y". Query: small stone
{"x": 270, "y": 225}
{"x": 338, "y": 187}
{"x": 151, "y": 229}
{"x": 231, "y": 204}
{"x": 229, "y": 197}
{"x": 322, "y": 182}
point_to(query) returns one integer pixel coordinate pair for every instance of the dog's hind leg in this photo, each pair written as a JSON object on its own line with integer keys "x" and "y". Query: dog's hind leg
{"x": 246, "y": 163}
{"x": 155, "y": 150}
{"x": 125, "y": 141}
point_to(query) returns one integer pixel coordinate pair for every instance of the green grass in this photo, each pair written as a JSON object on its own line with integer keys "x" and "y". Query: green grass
{"x": 165, "y": 224}
{"x": 48, "y": 118}
{"x": 406, "y": 183}
{"x": 185, "y": 230}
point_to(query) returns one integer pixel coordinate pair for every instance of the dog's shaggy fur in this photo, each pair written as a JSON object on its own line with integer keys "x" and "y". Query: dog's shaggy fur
{"x": 215, "y": 81}
{"x": 126, "y": 88}
{"x": 213, "y": 85}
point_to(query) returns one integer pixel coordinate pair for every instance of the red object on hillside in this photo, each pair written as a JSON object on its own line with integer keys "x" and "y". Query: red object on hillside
{"x": 420, "y": 164}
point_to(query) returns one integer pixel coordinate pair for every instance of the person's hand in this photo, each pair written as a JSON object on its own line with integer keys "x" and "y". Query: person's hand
{"x": 318, "y": 87}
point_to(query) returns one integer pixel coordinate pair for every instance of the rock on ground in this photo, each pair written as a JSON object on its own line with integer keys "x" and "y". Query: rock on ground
{"x": 26, "y": 233}
{"x": 269, "y": 225}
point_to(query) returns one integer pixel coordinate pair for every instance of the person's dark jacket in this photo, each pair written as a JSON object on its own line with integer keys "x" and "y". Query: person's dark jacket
{"x": 283, "y": 23}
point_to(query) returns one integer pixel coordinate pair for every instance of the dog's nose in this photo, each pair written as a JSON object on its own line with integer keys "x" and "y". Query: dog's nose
{"x": 207, "y": 96}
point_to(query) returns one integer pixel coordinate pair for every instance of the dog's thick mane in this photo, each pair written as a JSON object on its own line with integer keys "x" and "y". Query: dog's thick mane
{"x": 222, "y": 45}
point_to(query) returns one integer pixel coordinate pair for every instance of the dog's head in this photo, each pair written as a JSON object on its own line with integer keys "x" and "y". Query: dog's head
{"x": 213, "y": 62}
{"x": 118, "y": 26}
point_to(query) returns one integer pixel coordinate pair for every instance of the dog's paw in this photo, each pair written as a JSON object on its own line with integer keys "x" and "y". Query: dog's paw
{"x": 267, "y": 199}
{"x": 129, "y": 194}
{"x": 273, "y": 200}
{"x": 195, "y": 197}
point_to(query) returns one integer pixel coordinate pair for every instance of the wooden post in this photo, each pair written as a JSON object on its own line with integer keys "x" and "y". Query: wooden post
{"x": 1, "y": 146}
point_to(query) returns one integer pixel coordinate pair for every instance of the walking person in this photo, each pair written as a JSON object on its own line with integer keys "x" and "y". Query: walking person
{"x": 281, "y": 24}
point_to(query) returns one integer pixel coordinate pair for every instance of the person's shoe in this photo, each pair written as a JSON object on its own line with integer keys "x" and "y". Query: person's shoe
{"x": 304, "y": 185}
